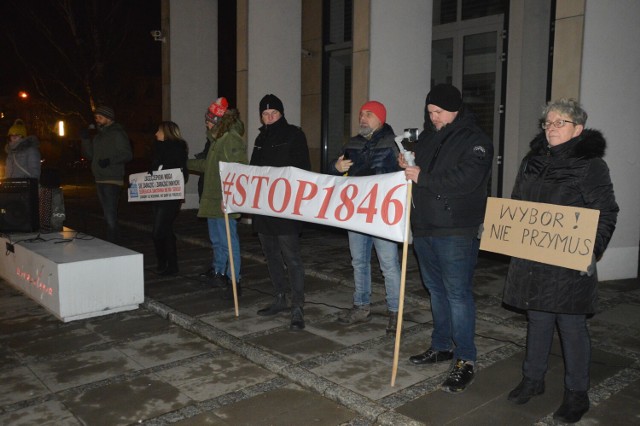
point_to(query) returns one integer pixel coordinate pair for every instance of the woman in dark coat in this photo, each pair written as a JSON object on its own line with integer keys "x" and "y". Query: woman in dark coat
{"x": 564, "y": 167}
{"x": 170, "y": 152}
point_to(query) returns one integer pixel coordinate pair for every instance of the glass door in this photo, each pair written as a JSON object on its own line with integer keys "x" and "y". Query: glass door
{"x": 468, "y": 55}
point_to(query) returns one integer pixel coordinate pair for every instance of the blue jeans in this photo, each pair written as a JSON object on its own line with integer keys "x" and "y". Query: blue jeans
{"x": 281, "y": 250}
{"x": 109, "y": 196}
{"x": 447, "y": 265}
{"x": 218, "y": 237}
{"x": 576, "y": 347}
{"x": 387, "y": 252}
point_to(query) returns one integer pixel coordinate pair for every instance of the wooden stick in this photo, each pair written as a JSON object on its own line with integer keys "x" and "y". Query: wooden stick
{"x": 403, "y": 273}
{"x": 231, "y": 264}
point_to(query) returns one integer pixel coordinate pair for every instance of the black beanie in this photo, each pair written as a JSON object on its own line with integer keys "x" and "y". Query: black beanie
{"x": 271, "y": 102}
{"x": 446, "y": 97}
{"x": 105, "y": 111}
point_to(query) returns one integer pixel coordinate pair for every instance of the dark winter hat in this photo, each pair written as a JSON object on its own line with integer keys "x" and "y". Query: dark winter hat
{"x": 216, "y": 109}
{"x": 271, "y": 102}
{"x": 446, "y": 97}
{"x": 105, "y": 111}
{"x": 377, "y": 108}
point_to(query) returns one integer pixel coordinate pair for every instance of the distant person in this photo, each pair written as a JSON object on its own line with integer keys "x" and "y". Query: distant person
{"x": 108, "y": 151}
{"x": 23, "y": 153}
{"x": 210, "y": 119}
{"x": 228, "y": 146}
{"x": 281, "y": 144}
{"x": 169, "y": 152}
{"x": 372, "y": 151}
{"x": 451, "y": 176}
{"x": 563, "y": 167}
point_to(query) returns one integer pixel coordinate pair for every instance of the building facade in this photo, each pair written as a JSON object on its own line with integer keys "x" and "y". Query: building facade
{"x": 325, "y": 58}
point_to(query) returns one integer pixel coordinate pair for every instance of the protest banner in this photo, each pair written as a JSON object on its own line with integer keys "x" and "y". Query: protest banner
{"x": 373, "y": 205}
{"x": 546, "y": 233}
{"x": 160, "y": 186}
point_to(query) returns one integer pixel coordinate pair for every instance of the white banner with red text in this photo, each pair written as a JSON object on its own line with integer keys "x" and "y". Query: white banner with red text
{"x": 373, "y": 205}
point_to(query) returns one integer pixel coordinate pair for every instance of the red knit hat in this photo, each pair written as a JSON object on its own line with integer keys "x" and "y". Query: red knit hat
{"x": 377, "y": 108}
{"x": 216, "y": 109}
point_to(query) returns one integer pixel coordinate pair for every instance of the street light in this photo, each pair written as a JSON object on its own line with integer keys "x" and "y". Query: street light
{"x": 23, "y": 95}
{"x": 60, "y": 128}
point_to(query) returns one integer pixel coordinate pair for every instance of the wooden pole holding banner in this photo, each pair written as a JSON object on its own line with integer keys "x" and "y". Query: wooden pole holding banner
{"x": 403, "y": 274}
{"x": 231, "y": 264}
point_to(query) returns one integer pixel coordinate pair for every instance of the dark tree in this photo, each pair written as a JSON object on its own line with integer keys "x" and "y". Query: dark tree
{"x": 80, "y": 53}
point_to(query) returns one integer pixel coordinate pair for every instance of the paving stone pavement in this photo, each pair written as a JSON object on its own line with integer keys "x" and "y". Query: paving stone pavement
{"x": 184, "y": 357}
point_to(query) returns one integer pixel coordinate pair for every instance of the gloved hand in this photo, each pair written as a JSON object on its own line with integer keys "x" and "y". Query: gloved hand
{"x": 104, "y": 162}
{"x": 480, "y": 231}
{"x": 591, "y": 268}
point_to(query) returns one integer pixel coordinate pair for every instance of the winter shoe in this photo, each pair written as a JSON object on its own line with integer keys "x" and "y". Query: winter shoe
{"x": 220, "y": 280}
{"x": 279, "y": 304}
{"x": 355, "y": 315}
{"x": 393, "y": 322}
{"x": 460, "y": 376}
{"x": 526, "y": 390}
{"x": 431, "y": 357}
{"x": 574, "y": 405}
{"x": 297, "y": 318}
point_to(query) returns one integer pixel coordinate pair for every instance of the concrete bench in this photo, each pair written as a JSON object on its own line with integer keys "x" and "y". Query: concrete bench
{"x": 74, "y": 276}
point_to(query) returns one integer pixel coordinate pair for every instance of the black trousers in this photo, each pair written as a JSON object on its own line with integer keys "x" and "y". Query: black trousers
{"x": 164, "y": 239}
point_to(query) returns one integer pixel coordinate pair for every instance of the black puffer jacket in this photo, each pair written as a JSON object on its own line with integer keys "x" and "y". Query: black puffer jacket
{"x": 455, "y": 165}
{"x": 570, "y": 174}
{"x": 280, "y": 145}
{"x": 374, "y": 156}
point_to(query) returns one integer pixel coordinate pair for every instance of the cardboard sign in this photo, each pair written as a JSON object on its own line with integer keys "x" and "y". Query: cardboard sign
{"x": 374, "y": 205}
{"x": 547, "y": 233}
{"x": 159, "y": 186}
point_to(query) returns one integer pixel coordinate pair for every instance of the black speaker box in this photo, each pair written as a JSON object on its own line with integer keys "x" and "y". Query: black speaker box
{"x": 19, "y": 205}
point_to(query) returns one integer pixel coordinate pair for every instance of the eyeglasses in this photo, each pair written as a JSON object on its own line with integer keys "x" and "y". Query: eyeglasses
{"x": 557, "y": 124}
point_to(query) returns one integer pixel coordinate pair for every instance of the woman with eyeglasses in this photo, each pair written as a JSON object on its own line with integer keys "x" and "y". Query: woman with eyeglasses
{"x": 563, "y": 167}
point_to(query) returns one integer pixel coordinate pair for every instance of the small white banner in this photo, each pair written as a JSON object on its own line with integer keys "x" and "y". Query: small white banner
{"x": 373, "y": 205}
{"x": 161, "y": 185}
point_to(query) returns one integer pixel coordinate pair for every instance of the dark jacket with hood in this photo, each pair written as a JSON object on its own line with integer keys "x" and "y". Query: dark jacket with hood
{"x": 280, "y": 145}
{"x": 371, "y": 156}
{"x": 455, "y": 165}
{"x": 23, "y": 158}
{"x": 569, "y": 174}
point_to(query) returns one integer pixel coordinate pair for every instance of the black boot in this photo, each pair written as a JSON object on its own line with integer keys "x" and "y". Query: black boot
{"x": 297, "y": 318}
{"x": 279, "y": 304}
{"x": 161, "y": 255}
{"x": 574, "y": 405}
{"x": 526, "y": 390}
{"x": 227, "y": 293}
{"x": 172, "y": 256}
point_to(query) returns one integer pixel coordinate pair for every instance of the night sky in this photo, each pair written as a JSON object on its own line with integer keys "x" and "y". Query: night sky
{"x": 138, "y": 55}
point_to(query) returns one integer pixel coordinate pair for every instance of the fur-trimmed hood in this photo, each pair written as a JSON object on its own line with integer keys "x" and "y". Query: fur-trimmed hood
{"x": 589, "y": 144}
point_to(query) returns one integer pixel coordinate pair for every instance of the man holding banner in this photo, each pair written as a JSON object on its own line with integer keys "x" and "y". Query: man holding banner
{"x": 281, "y": 144}
{"x": 372, "y": 152}
{"x": 453, "y": 165}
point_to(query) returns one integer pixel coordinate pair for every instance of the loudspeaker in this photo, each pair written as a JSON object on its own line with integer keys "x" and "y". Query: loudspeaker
{"x": 19, "y": 205}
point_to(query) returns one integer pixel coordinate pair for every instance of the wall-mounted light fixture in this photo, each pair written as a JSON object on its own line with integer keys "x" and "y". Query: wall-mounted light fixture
{"x": 158, "y": 36}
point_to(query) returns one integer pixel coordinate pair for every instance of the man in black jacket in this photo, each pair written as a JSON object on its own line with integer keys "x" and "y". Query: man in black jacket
{"x": 451, "y": 176}
{"x": 372, "y": 151}
{"x": 281, "y": 144}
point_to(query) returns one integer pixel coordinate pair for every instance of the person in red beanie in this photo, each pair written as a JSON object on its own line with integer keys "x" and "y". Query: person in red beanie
{"x": 372, "y": 151}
